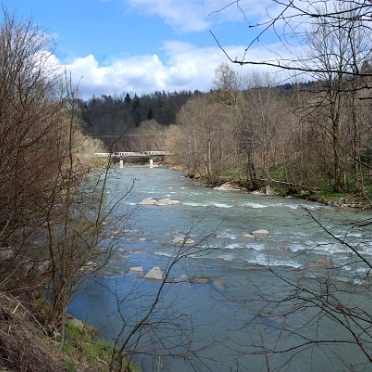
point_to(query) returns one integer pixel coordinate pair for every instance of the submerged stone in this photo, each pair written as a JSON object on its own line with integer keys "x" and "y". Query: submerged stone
{"x": 182, "y": 279}
{"x": 137, "y": 271}
{"x": 199, "y": 280}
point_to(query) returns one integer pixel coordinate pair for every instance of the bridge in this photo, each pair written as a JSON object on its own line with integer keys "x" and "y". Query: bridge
{"x": 129, "y": 154}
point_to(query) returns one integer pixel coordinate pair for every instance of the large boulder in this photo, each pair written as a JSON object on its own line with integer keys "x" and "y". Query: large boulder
{"x": 163, "y": 201}
{"x": 226, "y": 187}
{"x": 269, "y": 190}
{"x": 263, "y": 234}
{"x": 155, "y": 273}
{"x": 181, "y": 240}
{"x": 168, "y": 201}
{"x": 149, "y": 201}
{"x": 247, "y": 236}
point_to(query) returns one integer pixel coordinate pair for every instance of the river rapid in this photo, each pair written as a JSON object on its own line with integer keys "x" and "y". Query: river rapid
{"x": 241, "y": 305}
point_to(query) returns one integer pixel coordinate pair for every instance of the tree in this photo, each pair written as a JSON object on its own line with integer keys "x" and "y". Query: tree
{"x": 203, "y": 145}
{"x": 49, "y": 228}
{"x": 150, "y": 135}
{"x": 150, "y": 113}
{"x": 288, "y": 19}
{"x": 128, "y": 98}
{"x": 30, "y": 116}
{"x": 227, "y": 83}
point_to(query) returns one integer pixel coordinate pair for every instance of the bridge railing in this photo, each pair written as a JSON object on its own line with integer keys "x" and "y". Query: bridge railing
{"x": 121, "y": 154}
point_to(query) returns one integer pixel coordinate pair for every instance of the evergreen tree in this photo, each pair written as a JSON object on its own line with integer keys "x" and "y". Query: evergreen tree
{"x": 150, "y": 113}
{"x": 127, "y": 99}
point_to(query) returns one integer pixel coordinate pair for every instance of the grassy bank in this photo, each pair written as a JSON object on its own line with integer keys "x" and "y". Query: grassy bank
{"x": 28, "y": 344}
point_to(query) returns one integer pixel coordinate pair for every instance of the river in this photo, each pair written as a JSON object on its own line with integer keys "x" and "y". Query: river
{"x": 244, "y": 302}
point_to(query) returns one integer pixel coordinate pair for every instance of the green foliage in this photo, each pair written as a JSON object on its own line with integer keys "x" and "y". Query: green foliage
{"x": 70, "y": 366}
{"x": 150, "y": 113}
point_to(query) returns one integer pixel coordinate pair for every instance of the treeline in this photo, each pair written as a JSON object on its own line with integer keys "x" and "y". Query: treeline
{"x": 307, "y": 136}
{"x": 116, "y": 119}
{"x": 300, "y": 136}
{"x": 314, "y": 136}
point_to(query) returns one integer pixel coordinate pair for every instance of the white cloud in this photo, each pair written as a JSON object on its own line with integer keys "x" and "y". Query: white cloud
{"x": 187, "y": 68}
{"x": 184, "y": 14}
{"x": 198, "y": 15}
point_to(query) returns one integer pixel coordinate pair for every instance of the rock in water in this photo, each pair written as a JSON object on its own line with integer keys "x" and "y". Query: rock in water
{"x": 164, "y": 201}
{"x": 137, "y": 271}
{"x": 226, "y": 187}
{"x": 263, "y": 234}
{"x": 247, "y": 236}
{"x": 155, "y": 273}
{"x": 149, "y": 201}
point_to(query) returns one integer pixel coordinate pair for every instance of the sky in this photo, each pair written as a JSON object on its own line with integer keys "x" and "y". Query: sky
{"x": 143, "y": 46}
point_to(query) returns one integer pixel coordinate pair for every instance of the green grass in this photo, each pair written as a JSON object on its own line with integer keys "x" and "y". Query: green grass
{"x": 83, "y": 345}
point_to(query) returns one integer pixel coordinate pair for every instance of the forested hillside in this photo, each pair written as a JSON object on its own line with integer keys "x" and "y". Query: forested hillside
{"x": 119, "y": 121}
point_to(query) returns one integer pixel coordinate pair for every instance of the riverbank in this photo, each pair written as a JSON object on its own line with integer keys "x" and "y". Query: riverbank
{"x": 359, "y": 199}
{"x": 356, "y": 199}
{"x": 29, "y": 346}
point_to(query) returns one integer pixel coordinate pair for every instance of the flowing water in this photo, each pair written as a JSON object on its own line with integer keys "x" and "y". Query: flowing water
{"x": 225, "y": 317}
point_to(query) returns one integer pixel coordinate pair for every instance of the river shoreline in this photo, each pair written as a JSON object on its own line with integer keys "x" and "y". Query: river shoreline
{"x": 344, "y": 200}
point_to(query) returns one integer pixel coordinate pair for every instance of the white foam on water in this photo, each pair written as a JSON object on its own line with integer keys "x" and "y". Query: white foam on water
{"x": 221, "y": 205}
{"x": 257, "y": 246}
{"x": 297, "y": 248}
{"x": 255, "y": 205}
{"x": 233, "y": 246}
{"x": 362, "y": 269}
{"x": 191, "y": 204}
{"x": 266, "y": 260}
{"x": 331, "y": 248}
{"x": 165, "y": 254}
{"x": 282, "y": 205}
{"x": 226, "y": 235}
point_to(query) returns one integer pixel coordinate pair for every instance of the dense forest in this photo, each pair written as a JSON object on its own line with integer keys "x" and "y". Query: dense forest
{"x": 120, "y": 121}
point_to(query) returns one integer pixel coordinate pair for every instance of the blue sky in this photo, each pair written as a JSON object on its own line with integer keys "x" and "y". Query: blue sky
{"x": 116, "y": 46}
